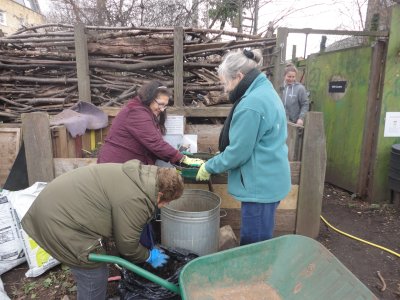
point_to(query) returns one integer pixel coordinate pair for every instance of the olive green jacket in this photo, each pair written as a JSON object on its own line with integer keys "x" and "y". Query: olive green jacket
{"x": 75, "y": 211}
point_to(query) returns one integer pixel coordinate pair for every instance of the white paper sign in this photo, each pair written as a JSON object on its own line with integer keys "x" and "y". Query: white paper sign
{"x": 392, "y": 124}
{"x": 175, "y": 124}
{"x": 188, "y": 141}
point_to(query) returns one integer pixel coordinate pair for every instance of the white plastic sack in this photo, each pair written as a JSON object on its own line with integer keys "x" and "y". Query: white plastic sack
{"x": 11, "y": 250}
{"x": 39, "y": 261}
{"x": 3, "y": 294}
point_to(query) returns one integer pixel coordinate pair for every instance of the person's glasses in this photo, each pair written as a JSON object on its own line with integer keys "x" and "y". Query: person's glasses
{"x": 161, "y": 105}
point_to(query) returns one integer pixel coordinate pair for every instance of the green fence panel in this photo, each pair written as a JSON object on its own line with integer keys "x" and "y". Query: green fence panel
{"x": 344, "y": 112}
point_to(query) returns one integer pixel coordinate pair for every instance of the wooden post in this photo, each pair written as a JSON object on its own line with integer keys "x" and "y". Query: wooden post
{"x": 82, "y": 63}
{"x": 312, "y": 176}
{"x": 294, "y": 141}
{"x": 294, "y": 53}
{"x": 178, "y": 66}
{"x": 38, "y": 147}
{"x": 371, "y": 127}
{"x": 280, "y": 59}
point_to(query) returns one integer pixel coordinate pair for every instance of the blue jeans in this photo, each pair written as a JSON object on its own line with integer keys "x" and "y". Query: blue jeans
{"x": 258, "y": 222}
{"x": 91, "y": 283}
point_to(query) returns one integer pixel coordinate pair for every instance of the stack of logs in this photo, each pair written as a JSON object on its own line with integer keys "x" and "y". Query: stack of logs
{"x": 38, "y": 67}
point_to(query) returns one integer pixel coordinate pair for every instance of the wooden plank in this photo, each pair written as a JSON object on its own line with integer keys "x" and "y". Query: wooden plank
{"x": 38, "y": 147}
{"x": 312, "y": 176}
{"x": 63, "y": 165}
{"x": 295, "y": 167}
{"x": 231, "y": 216}
{"x": 338, "y": 32}
{"x": 10, "y": 142}
{"x": 216, "y": 111}
{"x": 10, "y": 125}
{"x": 82, "y": 62}
{"x": 207, "y": 136}
{"x": 280, "y": 58}
{"x": 285, "y": 221}
{"x": 223, "y": 178}
{"x": 178, "y": 66}
{"x": 371, "y": 125}
{"x": 59, "y": 136}
{"x": 294, "y": 141}
{"x": 227, "y": 201}
{"x": 86, "y": 143}
{"x": 290, "y": 201}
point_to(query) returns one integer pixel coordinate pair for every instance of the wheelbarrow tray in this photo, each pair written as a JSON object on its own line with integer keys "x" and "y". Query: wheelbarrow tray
{"x": 293, "y": 266}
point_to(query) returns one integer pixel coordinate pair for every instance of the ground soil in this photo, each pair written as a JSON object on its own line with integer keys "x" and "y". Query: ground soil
{"x": 374, "y": 223}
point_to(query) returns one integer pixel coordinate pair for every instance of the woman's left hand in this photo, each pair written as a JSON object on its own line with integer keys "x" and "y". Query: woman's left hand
{"x": 300, "y": 122}
{"x": 202, "y": 174}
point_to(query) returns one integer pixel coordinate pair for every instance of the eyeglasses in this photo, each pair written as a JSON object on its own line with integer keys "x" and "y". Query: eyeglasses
{"x": 161, "y": 105}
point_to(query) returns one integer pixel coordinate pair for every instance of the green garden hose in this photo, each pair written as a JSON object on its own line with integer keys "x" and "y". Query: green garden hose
{"x": 132, "y": 267}
{"x": 360, "y": 240}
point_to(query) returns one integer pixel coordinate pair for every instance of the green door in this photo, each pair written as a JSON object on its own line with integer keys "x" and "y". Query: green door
{"x": 338, "y": 84}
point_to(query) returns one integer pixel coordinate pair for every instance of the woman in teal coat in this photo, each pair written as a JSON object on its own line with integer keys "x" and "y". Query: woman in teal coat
{"x": 252, "y": 145}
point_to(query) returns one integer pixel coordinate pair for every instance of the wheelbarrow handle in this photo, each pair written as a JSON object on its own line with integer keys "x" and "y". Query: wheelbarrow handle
{"x": 134, "y": 268}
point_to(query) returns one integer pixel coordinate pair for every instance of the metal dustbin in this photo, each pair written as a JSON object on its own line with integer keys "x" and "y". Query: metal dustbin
{"x": 287, "y": 267}
{"x": 192, "y": 222}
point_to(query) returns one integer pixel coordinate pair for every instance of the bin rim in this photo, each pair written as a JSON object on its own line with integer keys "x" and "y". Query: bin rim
{"x": 195, "y": 212}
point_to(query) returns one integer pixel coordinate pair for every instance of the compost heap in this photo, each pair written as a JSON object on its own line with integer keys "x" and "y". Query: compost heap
{"x": 135, "y": 287}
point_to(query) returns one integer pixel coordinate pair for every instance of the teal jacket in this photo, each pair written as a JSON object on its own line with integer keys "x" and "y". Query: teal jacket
{"x": 257, "y": 156}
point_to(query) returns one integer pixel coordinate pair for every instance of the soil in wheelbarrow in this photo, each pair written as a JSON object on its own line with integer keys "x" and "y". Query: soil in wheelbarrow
{"x": 379, "y": 224}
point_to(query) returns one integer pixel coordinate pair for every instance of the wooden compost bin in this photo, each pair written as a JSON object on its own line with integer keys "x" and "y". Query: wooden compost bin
{"x": 52, "y": 151}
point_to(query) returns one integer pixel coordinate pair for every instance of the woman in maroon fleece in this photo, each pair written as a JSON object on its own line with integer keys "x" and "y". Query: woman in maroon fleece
{"x": 137, "y": 133}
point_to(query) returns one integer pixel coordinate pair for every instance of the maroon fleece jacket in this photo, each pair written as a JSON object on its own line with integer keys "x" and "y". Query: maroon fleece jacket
{"x": 135, "y": 134}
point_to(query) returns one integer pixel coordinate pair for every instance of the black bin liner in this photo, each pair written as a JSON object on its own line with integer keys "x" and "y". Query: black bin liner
{"x": 135, "y": 287}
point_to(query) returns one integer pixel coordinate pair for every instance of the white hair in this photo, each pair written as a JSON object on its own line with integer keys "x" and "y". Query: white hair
{"x": 237, "y": 61}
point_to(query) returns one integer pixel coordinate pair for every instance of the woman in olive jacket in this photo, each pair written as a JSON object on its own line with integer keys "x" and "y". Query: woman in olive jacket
{"x": 77, "y": 210}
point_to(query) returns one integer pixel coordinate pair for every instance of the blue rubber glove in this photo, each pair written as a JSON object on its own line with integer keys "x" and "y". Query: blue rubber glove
{"x": 157, "y": 258}
{"x": 202, "y": 174}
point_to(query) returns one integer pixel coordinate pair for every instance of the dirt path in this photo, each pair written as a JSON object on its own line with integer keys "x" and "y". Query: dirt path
{"x": 369, "y": 222}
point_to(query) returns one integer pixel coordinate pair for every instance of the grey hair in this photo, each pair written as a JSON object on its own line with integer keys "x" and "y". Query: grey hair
{"x": 236, "y": 61}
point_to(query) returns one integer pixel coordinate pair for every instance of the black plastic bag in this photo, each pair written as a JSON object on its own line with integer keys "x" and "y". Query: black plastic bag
{"x": 135, "y": 287}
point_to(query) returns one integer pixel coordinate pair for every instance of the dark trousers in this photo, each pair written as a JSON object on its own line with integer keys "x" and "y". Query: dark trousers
{"x": 147, "y": 236}
{"x": 258, "y": 222}
{"x": 91, "y": 283}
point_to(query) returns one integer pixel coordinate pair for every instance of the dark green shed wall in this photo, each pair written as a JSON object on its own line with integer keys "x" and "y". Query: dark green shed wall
{"x": 344, "y": 114}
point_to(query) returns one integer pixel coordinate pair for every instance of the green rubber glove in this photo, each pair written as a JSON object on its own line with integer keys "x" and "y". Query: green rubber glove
{"x": 202, "y": 174}
{"x": 193, "y": 162}
{"x": 187, "y": 153}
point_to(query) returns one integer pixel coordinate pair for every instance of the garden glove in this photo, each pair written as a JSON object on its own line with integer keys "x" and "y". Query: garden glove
{"x": 157, "y": 258}
{"x": 187, "y": 153}
{"x": 202, "y": 174}
{"x": 193, "y": 162}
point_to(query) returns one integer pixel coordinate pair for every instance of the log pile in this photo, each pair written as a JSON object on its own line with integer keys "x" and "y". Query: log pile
{"x": 38, "y": 67}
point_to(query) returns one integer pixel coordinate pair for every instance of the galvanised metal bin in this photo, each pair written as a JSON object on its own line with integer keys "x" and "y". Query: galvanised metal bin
{"x": 192, "y": 222}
